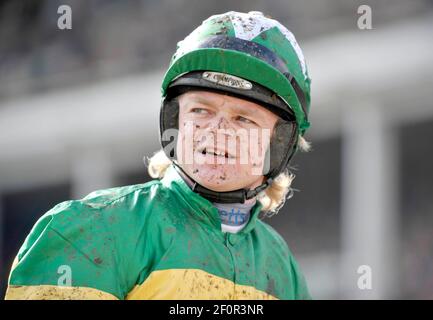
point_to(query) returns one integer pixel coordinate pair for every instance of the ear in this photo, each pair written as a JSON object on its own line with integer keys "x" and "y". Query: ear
{"x": 169, "y": 119}
{"x": 282, "y": 146}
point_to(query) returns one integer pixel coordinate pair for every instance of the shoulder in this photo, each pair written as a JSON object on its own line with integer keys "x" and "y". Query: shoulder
{"x": 102, "y": 214}
{"x": 106, "y": 197}
{"x": 272, "y": 235}
{"x": 118, "y": 200}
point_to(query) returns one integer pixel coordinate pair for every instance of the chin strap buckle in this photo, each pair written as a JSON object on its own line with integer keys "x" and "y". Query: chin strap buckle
{"x": 253, "y": 193}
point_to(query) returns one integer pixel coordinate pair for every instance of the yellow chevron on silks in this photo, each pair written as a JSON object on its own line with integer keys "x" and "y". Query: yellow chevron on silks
{"x": 190, "y": 284}
{"x": 50, "y": 292}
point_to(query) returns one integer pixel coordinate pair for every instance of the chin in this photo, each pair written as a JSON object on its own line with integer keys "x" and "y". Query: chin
{"x": 221, "y": 178}
{"x": 215, "y": 183}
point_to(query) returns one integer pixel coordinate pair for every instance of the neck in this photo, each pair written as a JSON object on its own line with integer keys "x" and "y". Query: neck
{"x": 234, "y": 214}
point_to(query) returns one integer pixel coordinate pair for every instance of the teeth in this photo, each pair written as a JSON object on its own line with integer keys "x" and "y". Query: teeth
{"x": 216, "y": 153}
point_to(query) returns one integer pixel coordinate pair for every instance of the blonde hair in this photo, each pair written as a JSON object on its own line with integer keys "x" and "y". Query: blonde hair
{"x": 272, "y": 198}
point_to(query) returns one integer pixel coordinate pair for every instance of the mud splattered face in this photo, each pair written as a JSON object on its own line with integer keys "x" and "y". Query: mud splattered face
{"x": 223, "y": 140}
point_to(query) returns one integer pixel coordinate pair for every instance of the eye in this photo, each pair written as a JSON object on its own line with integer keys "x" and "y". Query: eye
{"x": 245, "y": 120}
{"x": 199, "y": 111}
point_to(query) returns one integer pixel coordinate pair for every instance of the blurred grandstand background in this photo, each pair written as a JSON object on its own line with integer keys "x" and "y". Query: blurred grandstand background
{"x": 79, "y": 110}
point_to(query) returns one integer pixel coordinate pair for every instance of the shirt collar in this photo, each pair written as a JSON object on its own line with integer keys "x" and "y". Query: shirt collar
{"x": 202, "y": 209}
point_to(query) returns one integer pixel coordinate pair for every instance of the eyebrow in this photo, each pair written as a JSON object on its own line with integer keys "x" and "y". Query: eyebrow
{"x": 239, "y": 110}
{"x": 202, "y": 100}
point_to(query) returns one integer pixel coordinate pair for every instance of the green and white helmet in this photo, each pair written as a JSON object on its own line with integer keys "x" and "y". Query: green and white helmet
{"x": 251, "y": 56}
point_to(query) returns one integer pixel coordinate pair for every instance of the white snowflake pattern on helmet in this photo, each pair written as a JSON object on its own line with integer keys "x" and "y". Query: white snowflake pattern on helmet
{"x": 249, "y": 25}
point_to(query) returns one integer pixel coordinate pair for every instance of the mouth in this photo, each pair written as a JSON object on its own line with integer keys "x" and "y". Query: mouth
{"x": 215, "y": 152}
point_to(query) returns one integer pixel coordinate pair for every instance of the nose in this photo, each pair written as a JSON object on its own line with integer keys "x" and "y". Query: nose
{"x": 220, "y": 122}
{"x": 221, "y": 125}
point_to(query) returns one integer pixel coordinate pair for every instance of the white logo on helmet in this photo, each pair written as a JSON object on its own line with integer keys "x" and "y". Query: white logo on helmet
{"x": 249, "y": 25}
{"x": 227, "y": 80}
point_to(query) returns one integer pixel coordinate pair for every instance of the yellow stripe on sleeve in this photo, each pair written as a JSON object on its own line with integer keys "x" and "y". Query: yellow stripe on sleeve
{"x": 49, "y": 292}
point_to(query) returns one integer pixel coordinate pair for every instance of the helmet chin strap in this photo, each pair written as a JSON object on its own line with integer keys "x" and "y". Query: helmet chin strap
{"x": 235, "y": 196}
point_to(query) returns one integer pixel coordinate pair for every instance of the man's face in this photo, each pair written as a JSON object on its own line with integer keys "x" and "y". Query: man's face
{"x": 223, "y": 140}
